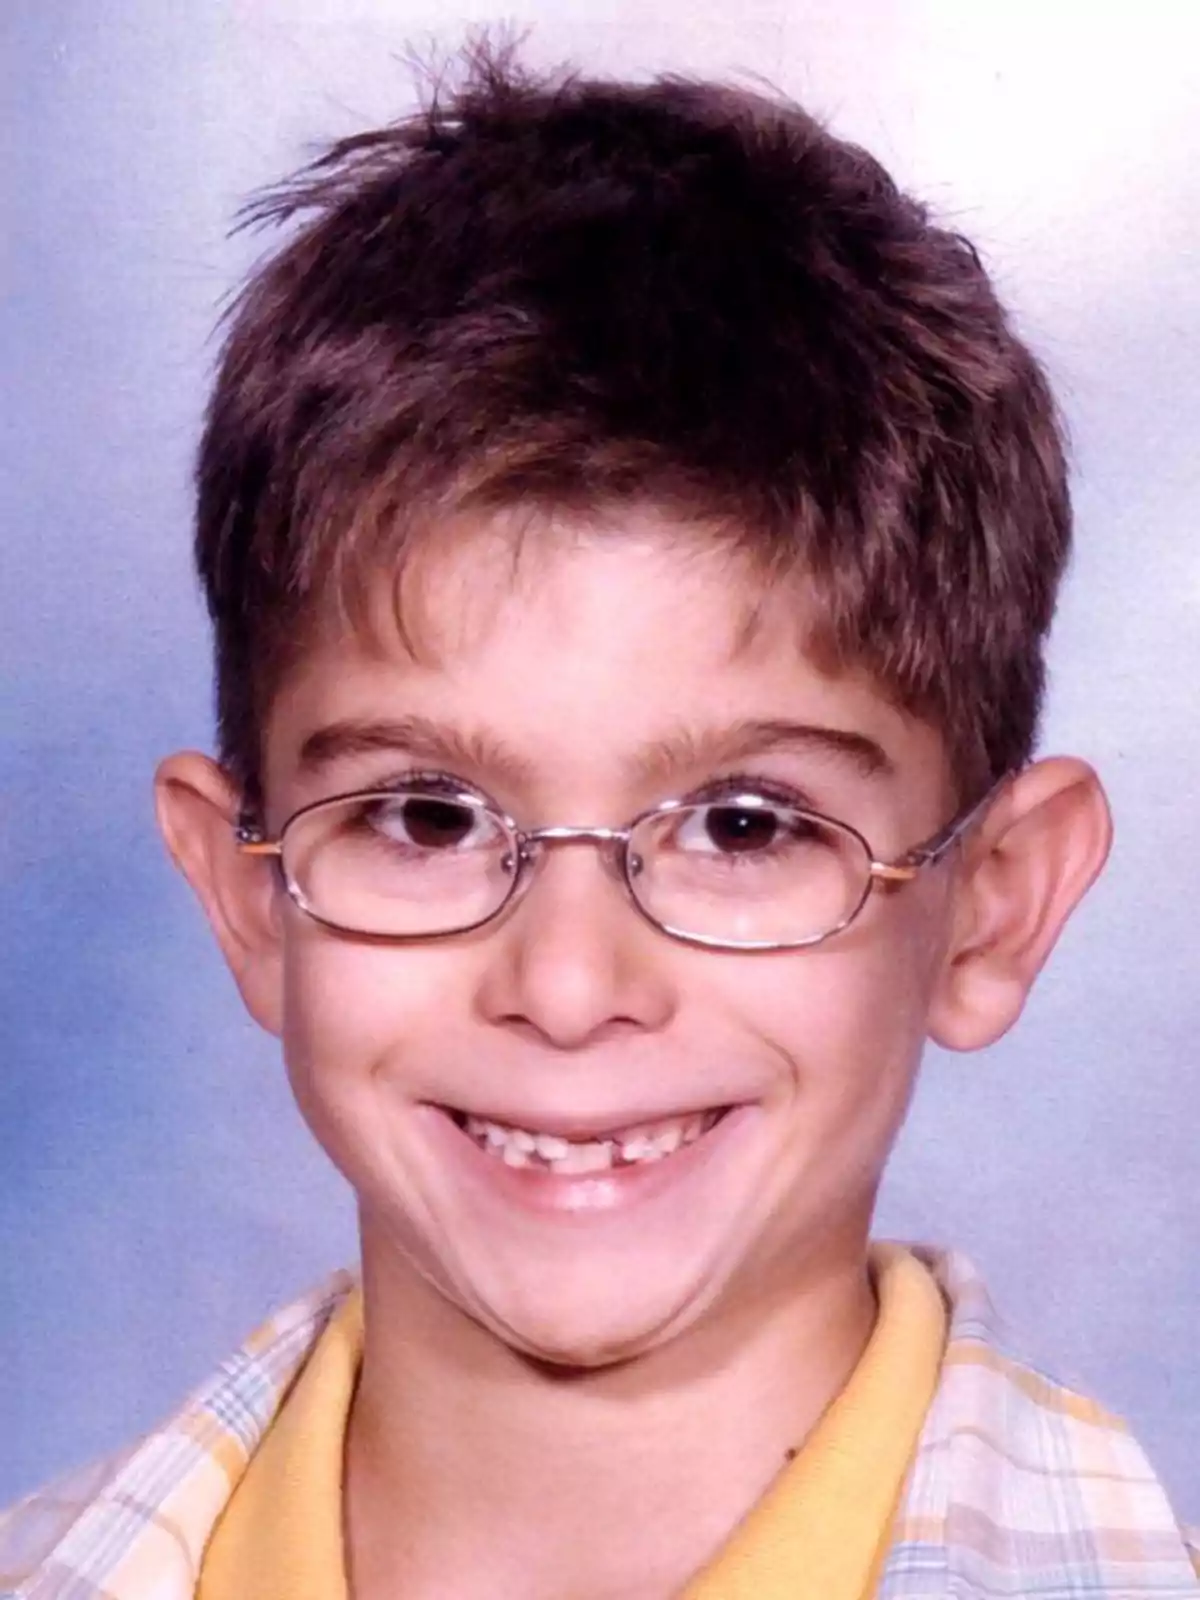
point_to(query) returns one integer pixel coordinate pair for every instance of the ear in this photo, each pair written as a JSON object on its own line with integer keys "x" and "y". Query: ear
{"x": 1037, "y": 851}
{"x": 197, "y": 807}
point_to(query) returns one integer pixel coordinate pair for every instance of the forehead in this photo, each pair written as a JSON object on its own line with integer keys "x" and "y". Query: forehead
{"x": 557, "y": 573}
{"x": 577, "y": 641}
{"x": 625, "y": 576}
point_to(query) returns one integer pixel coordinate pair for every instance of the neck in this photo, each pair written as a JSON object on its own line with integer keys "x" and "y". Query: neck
{"x": 616, "y": 1482}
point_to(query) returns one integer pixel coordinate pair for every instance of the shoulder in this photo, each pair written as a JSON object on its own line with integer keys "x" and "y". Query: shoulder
{"x": 987, "y": 1377}
{"x": 1019, "y": 1478}
{"x": 35, "y": 1526}
{"x": 134, "y": 1525}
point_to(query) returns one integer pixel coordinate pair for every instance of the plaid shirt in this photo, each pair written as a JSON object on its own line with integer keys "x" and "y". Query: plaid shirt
{"x": 1019, "y": 1487}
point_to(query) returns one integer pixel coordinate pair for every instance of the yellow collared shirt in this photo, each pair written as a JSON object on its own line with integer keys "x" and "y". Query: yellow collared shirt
{"x": 820, "y": 1533}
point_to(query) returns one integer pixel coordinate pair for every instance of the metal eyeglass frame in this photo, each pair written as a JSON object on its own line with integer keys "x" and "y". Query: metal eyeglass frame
{"x": 528, "y": 844}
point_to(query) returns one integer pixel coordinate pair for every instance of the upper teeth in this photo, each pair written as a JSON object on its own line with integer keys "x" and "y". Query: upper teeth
{"x": 521, "y": 1147}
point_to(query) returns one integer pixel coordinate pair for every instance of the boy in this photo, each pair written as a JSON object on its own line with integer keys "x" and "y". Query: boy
{"x": 630, "y": 530}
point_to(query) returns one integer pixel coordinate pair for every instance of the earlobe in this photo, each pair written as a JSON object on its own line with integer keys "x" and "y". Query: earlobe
{"x": 197, "y": 806}
{"x": 1024, "y": 870}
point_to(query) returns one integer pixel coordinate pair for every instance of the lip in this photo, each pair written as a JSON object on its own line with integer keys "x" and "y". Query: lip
{"x": 585, "y": 1195}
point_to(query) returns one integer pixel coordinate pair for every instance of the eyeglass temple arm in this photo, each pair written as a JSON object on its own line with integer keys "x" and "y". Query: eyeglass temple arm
{"x": 250, "y": 841}
{"x": 924, "y": 855}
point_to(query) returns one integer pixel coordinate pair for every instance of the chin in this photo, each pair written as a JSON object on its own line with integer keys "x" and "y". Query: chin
{"x": 591, "y": 1333}
{"x": 565, "y": 1353}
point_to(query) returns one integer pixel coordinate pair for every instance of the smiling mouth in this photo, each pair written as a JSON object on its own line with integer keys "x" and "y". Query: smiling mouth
{"x": 552, "y": 1152}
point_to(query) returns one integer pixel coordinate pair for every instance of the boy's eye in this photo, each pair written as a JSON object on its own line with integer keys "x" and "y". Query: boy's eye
{"x": 730, "y": 828}
{"x": 428, "y": 822}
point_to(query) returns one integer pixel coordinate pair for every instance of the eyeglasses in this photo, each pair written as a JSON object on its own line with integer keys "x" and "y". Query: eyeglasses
{"x": 743, "y": 871}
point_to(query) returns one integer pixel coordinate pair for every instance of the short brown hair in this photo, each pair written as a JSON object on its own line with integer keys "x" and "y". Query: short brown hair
{"x": 572, "y": 294}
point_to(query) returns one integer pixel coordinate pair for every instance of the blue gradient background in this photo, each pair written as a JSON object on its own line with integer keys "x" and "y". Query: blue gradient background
{"x": 157, "y": 1193}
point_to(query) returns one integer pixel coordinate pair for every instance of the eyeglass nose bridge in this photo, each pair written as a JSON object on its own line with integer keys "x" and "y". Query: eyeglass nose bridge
{"x": 570, "y": 835}
{"x": 614, "y": 841}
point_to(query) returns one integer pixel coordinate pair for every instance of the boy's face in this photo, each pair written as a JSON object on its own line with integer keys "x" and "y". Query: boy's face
{"x": 600, "y": 680}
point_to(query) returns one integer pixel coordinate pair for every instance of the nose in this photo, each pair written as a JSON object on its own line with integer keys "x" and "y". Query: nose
{"x": 575, "y": 963}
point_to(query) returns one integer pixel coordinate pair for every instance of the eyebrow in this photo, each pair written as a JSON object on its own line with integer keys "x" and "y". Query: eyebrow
{"x": 684, "y": 750}
{"x": 410, "y": 736}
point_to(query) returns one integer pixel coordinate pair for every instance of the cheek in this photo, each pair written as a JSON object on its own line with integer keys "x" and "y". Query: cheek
{"x": 834, "y": 1010}
{"x": 359, "y": 1018}
{"x": 847, "y": 1023}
